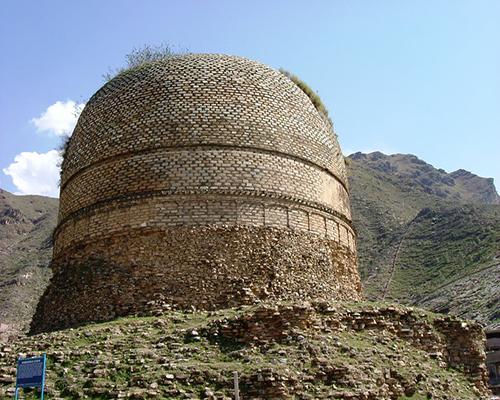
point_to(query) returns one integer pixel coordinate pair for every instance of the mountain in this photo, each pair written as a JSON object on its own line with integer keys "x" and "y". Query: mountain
{"x": 426, "y": 237}
{"x": 460, "y": 185}
{"x": 26, "y": 225}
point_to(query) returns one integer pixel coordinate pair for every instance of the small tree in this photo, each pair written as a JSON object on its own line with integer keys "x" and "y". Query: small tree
{"x": 143, "y": 54}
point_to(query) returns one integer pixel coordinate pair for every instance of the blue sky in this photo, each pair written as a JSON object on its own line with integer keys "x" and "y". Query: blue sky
{"x": 419, "y": 77}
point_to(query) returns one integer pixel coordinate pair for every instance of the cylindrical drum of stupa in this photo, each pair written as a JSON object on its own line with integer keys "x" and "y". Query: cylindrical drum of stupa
{"x": 199, "y": 181}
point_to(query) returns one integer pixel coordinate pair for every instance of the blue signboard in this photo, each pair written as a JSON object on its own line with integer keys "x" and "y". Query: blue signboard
{"x": 30, "y": 372}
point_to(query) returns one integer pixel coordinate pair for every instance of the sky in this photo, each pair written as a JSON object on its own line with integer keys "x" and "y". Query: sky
{"x": 413, "y": 77}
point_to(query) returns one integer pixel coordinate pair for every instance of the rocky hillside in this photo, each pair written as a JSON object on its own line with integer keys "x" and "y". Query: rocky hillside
{"x": 426, "y": 237}
{"x": 26, "y": 225}
{"x": 279, "y": 350}
{"x": 460, "y": 185}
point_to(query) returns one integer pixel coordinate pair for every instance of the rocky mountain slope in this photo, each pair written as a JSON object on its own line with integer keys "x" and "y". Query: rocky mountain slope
{"x": 26, "y": 225}
{"x": 427, "y": 238}
{"x": 460, "y": 185}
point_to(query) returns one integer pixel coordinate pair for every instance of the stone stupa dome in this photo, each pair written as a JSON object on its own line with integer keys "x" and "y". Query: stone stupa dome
{"x": 199, "y": 180}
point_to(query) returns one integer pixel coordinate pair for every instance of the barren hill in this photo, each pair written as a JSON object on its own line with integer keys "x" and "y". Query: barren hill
{"x": 26, "y": 225}
{"x": 425, "y": 236}
{"x": 459, "y": 185}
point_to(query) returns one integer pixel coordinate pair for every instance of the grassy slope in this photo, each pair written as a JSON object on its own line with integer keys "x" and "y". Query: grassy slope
{"x": 412, "y": 241}
{"x": 26, "y": 224}
{"x": 186, "y": 355}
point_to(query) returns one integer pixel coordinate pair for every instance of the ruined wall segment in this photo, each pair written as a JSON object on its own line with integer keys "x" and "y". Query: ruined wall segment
{"x": 172, "y": 147}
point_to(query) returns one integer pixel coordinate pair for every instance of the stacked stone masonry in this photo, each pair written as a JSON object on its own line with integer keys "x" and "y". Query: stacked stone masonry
{"x": 200, "y": 141}
{"x": 281, "y": 350}
{"x": 455, "y": 343}
{"x": 207, "y": 267}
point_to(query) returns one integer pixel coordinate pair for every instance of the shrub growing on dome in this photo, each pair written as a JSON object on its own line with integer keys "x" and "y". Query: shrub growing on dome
{"x": 143, "y": 54}
{"x": 316, "y": 100}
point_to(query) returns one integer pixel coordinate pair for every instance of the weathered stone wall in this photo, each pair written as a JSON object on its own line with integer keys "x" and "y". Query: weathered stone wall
{"x": 454, "y": 343}
{"x": 201, "y": 125}
{"x": 198, "y": 141}
{"x": 202, "y": 99}
{"x": 203, "y": 267}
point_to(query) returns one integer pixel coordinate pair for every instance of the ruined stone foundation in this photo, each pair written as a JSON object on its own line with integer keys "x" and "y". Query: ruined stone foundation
{"x": 207, "y": 268}
{"x": 200, "y": 181}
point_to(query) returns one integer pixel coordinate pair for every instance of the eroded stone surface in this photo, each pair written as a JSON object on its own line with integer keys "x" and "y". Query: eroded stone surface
{"x": 202, "y": 267}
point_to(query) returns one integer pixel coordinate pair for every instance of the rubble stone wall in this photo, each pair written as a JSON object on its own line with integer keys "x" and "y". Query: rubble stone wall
{"x": 209, "y": 267}
{"x": 454, "y": 343}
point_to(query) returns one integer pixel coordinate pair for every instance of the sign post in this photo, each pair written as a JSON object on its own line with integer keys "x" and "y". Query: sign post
{"x": 30, "y": 373}
{"x": 236, "y": 386}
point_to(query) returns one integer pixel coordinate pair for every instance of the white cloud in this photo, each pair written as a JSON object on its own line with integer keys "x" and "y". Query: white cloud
{"x": 59, "y": 119}
{"x": 34, "y": 173}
